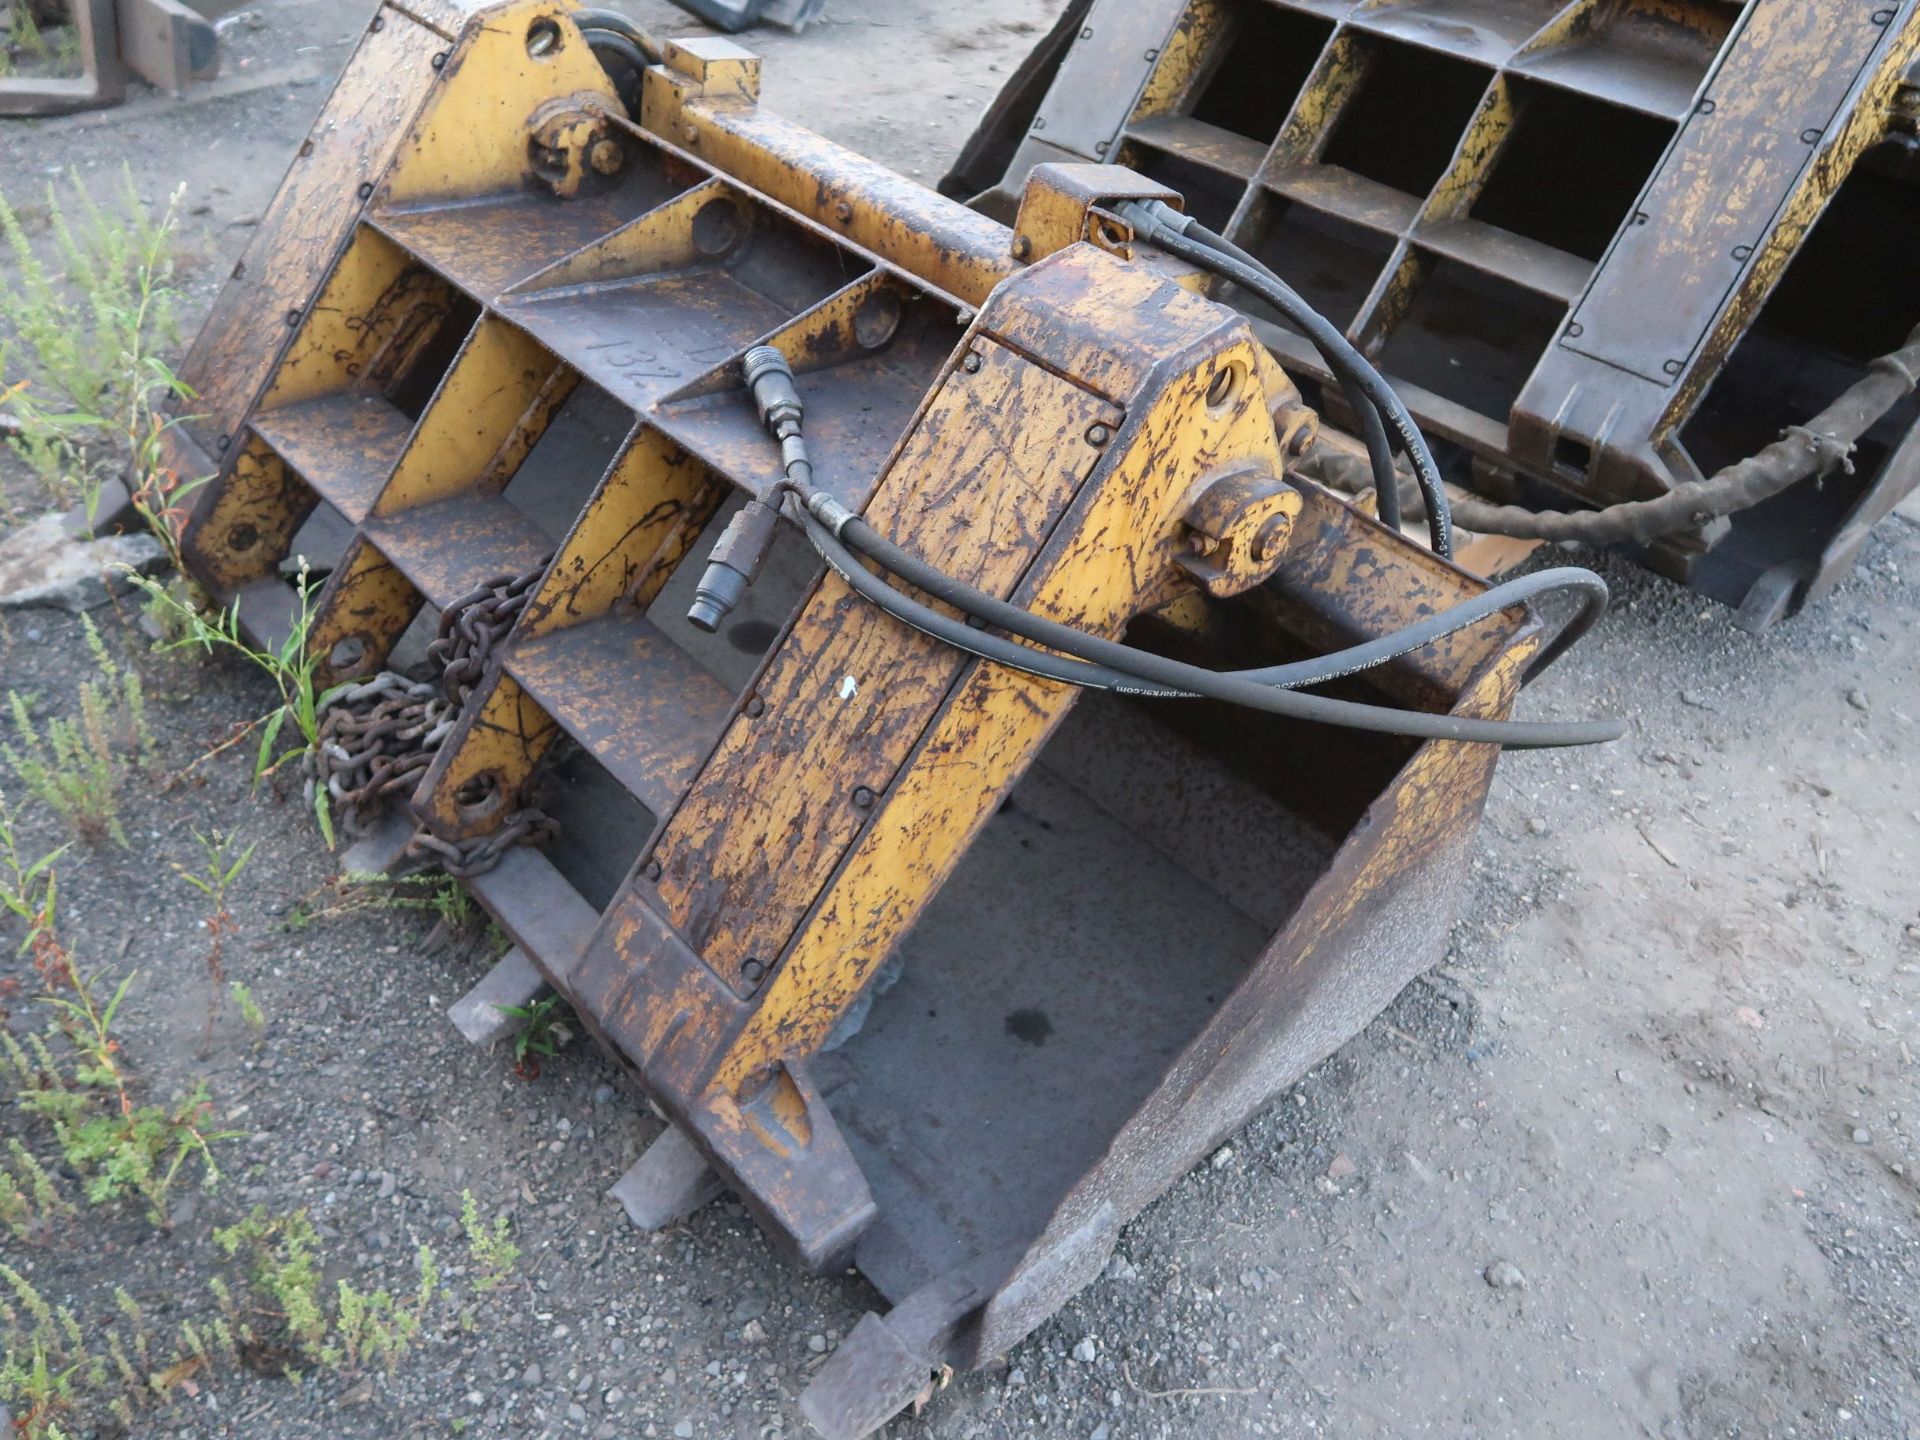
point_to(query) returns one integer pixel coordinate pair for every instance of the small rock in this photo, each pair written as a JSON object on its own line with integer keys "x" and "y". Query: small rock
{"x": 1625, "y": 1077}
{"x": 1862, "y": 1135}
{"x": 532, "y": 1375}
{"x": 817, "y": 1344}
{"x": 1505, "y": 1275}
{"x": 1695, "y": 699}
{"x": 1100, "y": 1432}
{"x": 615, "y": 1396}
{"x": 1341, "y": 1168}
{"x": 1536, "y": 826}
{"x": 1084, "y": 1352}
{"x": 387, "y": 1185}
{"x": 42, "y": 565}
{"x": 1016, "y": 1376}
{"x": 576, "y": 1413}
{"x": 753, "y": 1332}
{"x": 1858, "y": 699}
{"x": 1222, "y": 1157}
{"x": 1121, "y": 1268}
{"x": 603, "y": 1095}
{"x": 683, "y": 1429}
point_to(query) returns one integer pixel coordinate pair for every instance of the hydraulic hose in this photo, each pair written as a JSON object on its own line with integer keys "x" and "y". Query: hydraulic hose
{"x": 614, "y": 22}
{"x": 1802, "y": 452}
{"x": 1157, "y": 677}
{"x": 1375, "y": 402}
{"x": 1590, "y": 589}
{"x": 1093, "y": 661}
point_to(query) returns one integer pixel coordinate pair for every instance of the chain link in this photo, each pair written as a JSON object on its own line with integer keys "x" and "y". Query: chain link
{"x": 377, "y": 738}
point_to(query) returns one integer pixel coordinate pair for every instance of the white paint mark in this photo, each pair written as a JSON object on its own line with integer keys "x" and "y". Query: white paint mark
{"x": 849, "y": 687}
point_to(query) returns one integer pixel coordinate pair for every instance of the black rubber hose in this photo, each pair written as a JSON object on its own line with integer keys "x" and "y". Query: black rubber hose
{"x": 1590, "y": 589}
{"x": 624, "y": 26}
{"x": 1177, "y": 680}
{"x": 606, "y": 42}
{"x": 1201, "y": 246}
{"x": 1802, "y": 452}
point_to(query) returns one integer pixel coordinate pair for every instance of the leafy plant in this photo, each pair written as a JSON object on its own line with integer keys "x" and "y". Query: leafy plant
{"x": 75, "y": 766}
{"x": 293, "y": 670}
{"x": 30, "y": 1201}
{"x": 543, "y": 1031}
{"x": 30, "y": 891}
{"x": 491, "y": 1246}
{"x": 441, "y": 896}
{"x": 249, "y": 1008}
{"x": 361, "y": 1327}
{"x": 213, "y": 879}
{"x": 119, "y": 1146}
{"x": 88, "y": 322}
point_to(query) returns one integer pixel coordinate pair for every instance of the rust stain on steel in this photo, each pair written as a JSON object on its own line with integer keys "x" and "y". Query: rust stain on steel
{"x": 988, "y": 469}
{"x": 252, "y": 521}
{"x": 361, "y": 126}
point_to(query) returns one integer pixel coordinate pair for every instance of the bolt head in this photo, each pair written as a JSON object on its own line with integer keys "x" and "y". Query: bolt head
{"x": 606, "y": 156}
{"x": 971, "y": 364}
{"x": 651, "y": 870}
{"x": 756, "y": 707}
{"x": 862, "y": 798}
{"x": 1098, "y": 435}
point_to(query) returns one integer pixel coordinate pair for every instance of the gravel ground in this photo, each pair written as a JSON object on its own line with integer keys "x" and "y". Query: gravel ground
{"x": 1638, "y": 1158}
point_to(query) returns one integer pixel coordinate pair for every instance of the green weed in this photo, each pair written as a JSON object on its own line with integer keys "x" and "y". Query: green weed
{"x": 491, "y": 1246}
{"x": 345, "y": 1332}
{"x": 215, "y": 876}
{"x": 543, "y": 1031}
{"x": 87, "y": 322}
{"x": 291, "y": 668}
{"x": 119, "y": 1146}
{"x": 74, "y": 766}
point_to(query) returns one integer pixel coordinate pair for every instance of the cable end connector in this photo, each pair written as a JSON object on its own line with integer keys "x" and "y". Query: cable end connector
{"x": 770, "y": 380}
{"x": 1151, "y": 219}
{"x": 733, "y": 564}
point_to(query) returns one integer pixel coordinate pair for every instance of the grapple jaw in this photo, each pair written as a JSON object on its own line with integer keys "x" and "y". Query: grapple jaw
{"x": 945, "y": 974}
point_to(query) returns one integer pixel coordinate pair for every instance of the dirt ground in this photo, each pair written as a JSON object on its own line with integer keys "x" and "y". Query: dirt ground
{"x": 1661, "y": 1087}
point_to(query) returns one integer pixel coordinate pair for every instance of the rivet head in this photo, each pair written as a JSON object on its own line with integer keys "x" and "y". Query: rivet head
{"x": 692, "y": 134}
{"x": 1809, "y": 137}
{"x": 756, "y": 707}
{"x": 1101, "y": 148}
{"x": 366, "y": 189}
{"x": 225, "y": 441}
{"x": 379, "y": 24}
{"x": 1673, "y": 367}
{"x": 440, "y": 61}
{"x": 1039, "y": 122}
{"x": 651, "y": 870}
{"x": 293, "y": 317}
{"x": 243, "y": 537}
{"x": 1022, "y": 247}
{"x": 862, "y": 798}
{"x": 751, "y": 969}
{"x": 1098, "y": 434}
{"x": 1576, "y": 330}
{"x": 971, "y": 364}
{"x": 843, "y": 212}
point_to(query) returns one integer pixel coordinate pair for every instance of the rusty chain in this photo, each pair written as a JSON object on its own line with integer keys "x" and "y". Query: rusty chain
{"x": 377, "y": 738}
